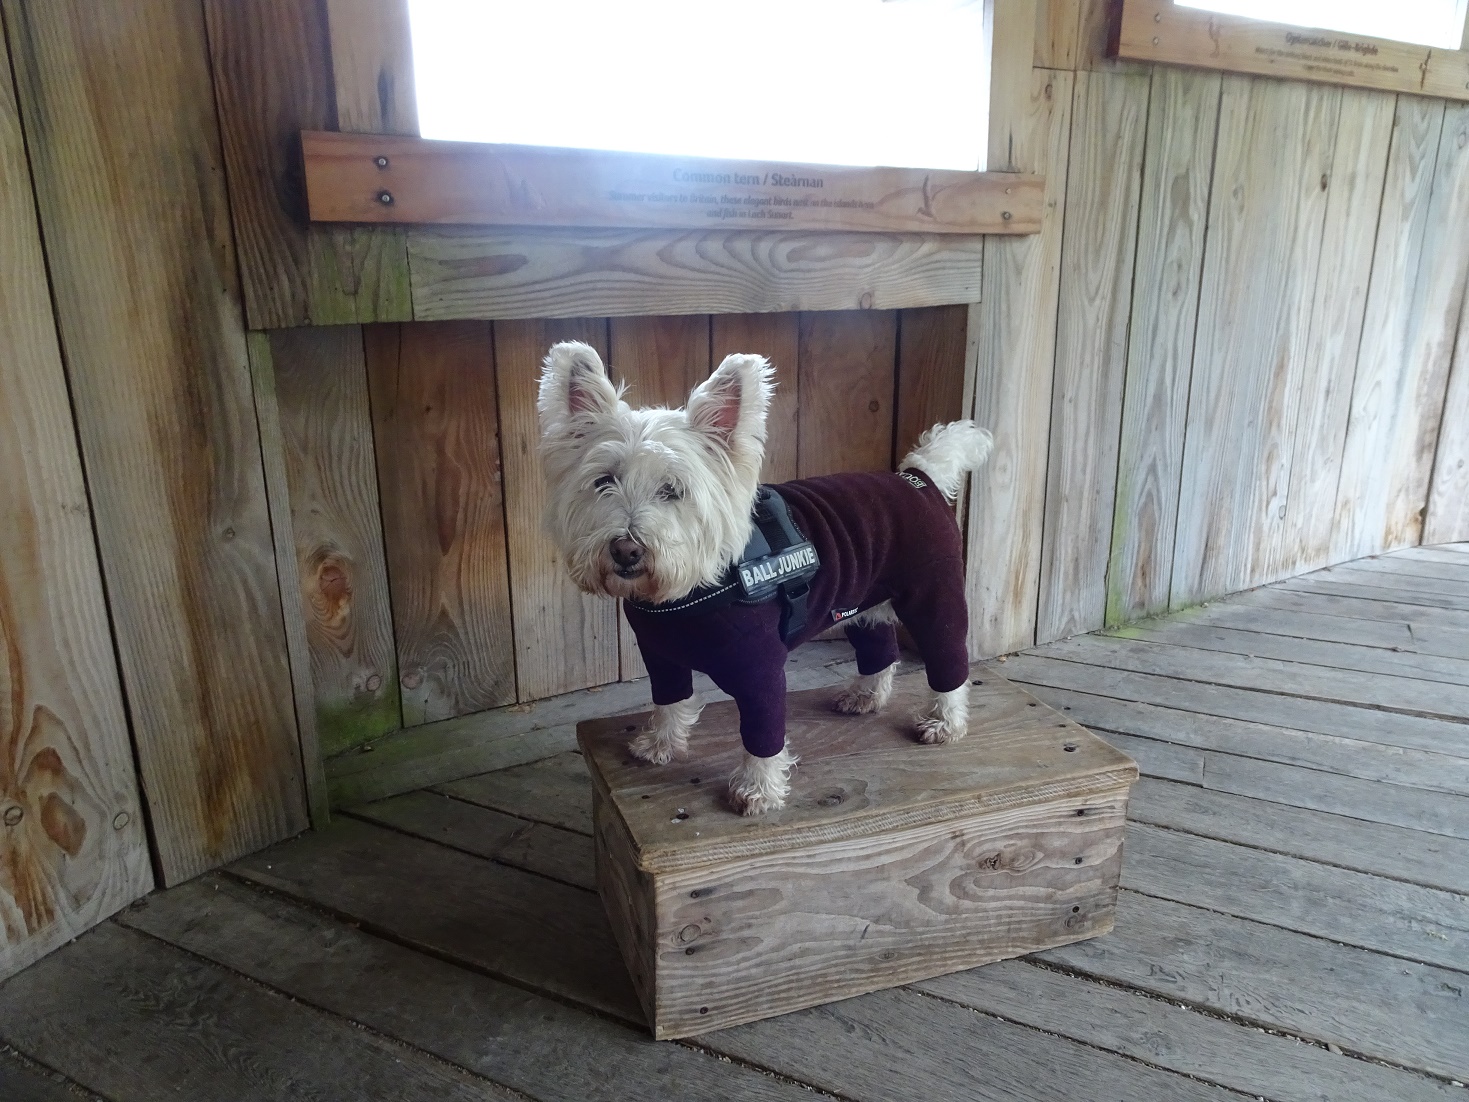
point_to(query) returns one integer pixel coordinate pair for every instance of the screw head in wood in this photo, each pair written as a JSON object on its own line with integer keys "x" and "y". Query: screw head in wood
{"x": 120, "y": 820}
{"x": 14, "y": 814}
{"x": 380, "y": 161}
{"x": 385, "y": 198}
{"x": 1156, "y": 40}
{"x": 1006, "y": 215}
{"x": 1157, "y": 18}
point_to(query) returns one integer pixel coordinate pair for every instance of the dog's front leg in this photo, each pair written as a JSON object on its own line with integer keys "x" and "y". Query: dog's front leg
{"x": 762, "y": 780}
{"x": 667, "y": 734}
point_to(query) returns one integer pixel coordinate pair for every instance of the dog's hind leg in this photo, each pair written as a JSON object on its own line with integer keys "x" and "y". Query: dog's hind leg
{"x": 938, "y": 620}
{"x": 667, "y": 735}
{"x": 874, "y": 637}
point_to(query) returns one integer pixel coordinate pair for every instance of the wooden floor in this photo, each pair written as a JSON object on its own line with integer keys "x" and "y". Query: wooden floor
{"x": 1294, "y": 923}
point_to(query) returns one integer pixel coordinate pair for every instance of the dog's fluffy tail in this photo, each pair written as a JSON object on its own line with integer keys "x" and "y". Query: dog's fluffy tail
{"x": 946, "y": 453}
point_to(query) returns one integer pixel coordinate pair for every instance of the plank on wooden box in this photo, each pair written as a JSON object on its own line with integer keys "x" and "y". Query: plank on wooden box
{"x": 134, "y": 215}
{"x": 890, "y": 863}
{"x": 63, "y": 730}
{"x": 777, "y": 338}
{"x": 848, "y": 360}
{"x": 438, "y": 460}
{"x": 933, "y": 346}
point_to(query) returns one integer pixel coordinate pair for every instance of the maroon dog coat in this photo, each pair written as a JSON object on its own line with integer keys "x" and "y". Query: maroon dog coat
{"x": 880, "y": 537}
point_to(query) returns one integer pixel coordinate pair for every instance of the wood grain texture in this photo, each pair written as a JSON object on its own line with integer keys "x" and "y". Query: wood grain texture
{"x": 372, "y": 66}
{"x": 555, "y": 791}
{"x": 777, "y": 338}
{"x": 868, "y": 763}
{"x": 661, "y": 359}
{"x": 431, "y": 182}
{"x": 1109, "y": 121}
{"x": 1349, "y": 239}
{"x": 1447, "y": 518}
{"x": 73, "y": 842}
{"x": 434, "y": 412}
{"x": 1293, "y": 982}
{"x": 22, "y": 1081}
{"x": 933, "y": 347}
{"x": 133, "y": 211}
{"x": 1178, "y": 166}
{"x": 272, "y": 69}
{"x": 326, "y": 439}
{"x": 1275, "y": 146}
{"x": 526, "y": 928}
{"x": 564, "y": 639}
{"x": 775, "y": 935}
{"x": 223, "y": 1038}
{"x": 1328, "y": 837}
{"x": 1413, "y": 306}
{"x": 1057, "y": 31}
{"x": 573, "y": 273}
{"x": 1009, "y": 42}
{"x": 848, "y": 361}
{"x": 1158, "y": 30}
{"x": 1165, "y": 1034}
{"x": 1016, "y": 326}
{"x": 543, "y": 1048}
{"x": 293, "y": 604}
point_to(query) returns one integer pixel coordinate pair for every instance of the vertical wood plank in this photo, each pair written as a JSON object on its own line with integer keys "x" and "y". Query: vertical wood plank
{"x": 662, "y": 359}
{"x": 1275, "y": 145}
{"x": 1017, "y": 341}
{"x": 1447, "y": 520}
{"x": 66, "y": 770}
{"x": 848, "y": 360}
{"x": 435, "y": 418}
{"x": 777, "y": 338}
{"x": 564, "y": 639}
{"x": 1109, "y": 122}
{"x": 932, "y": 347}
{"x": 1009, "y": 30}
{"x": 1413, "y": 308}
{"x": 293, "y": 605}
{"x": 1057, "y": 33}
{"x": 372, "y": 66}
{"x": 134, "y": 214}
{"x": 1173, "y": 211}
{"x": 272, "y": 67}
{"x": 326, "y": 441}
{"x": 1348, "y": 241}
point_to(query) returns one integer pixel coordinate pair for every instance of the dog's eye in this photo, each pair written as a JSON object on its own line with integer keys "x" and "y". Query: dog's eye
{"x": 669, "y": 492}
{"x": 605, "y": 480}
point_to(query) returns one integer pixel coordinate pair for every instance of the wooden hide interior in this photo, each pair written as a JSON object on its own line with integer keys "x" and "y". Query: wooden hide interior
{"x": 276, "y": 485}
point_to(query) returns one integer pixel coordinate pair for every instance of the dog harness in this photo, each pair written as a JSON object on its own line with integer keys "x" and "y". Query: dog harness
{"x": 777, "y": 562}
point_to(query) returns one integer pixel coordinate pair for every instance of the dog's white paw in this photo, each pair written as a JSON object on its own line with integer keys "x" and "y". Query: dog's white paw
{"x": 667, "y": 736}
{"x": 759, "y": 785}
{"x": 947, "y": 718}
{"x": 865, "y": 693}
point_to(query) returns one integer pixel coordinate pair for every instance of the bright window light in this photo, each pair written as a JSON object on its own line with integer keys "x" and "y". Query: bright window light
{"x": 1438, "y": 23}
{"x": 851, "y": 82}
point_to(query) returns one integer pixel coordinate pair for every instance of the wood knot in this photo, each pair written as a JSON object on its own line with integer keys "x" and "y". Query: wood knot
{"x": 831, "y": 799}
{"x": 14, "y": 814}
{"x": 689, "y": 933}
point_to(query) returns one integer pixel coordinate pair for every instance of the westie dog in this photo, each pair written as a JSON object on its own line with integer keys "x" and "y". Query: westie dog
{"x": 662, "y": 508}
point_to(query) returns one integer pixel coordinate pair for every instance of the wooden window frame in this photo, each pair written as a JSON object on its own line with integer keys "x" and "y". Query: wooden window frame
{"x": 1161, "y": 31}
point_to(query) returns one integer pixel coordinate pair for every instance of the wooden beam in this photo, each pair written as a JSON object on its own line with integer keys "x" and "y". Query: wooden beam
{"x": 1159, "y": 30}
{"x": 618, "y": 273}
{"x": 383, "y": 178}
{"x": 372, "y": 66}
{"x": 1009, "y": 46}
{"x": 72, "y": 830}
{"x": 135, "y": 218}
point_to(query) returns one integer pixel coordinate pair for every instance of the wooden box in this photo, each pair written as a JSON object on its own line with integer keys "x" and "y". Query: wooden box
{"x": 891, "y": 862}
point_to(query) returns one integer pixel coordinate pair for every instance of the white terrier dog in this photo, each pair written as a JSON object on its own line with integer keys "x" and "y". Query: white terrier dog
{"x": 662, "y": 508}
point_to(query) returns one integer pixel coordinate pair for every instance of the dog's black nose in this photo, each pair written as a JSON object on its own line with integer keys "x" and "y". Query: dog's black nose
{"x": 626, "y": 553}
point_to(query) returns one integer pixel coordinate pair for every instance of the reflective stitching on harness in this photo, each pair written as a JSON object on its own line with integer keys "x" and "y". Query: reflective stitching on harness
{"x": 680, "y": 606}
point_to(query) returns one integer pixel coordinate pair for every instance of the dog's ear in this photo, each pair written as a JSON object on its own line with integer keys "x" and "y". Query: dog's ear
{"x": 574, "y": 381}
{"x": 732, "y": 403}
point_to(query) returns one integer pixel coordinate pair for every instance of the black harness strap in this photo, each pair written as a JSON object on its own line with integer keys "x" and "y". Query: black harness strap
{"x": 777, "y": 562}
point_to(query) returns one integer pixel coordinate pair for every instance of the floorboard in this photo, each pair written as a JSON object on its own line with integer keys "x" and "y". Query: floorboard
{"x": 1293, "y": 923}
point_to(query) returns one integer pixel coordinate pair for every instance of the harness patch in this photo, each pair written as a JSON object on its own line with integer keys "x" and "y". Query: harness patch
{"x": 840, "y": 614}
{"x": 913, "y": 480}
{"x": 761, "y": 576}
